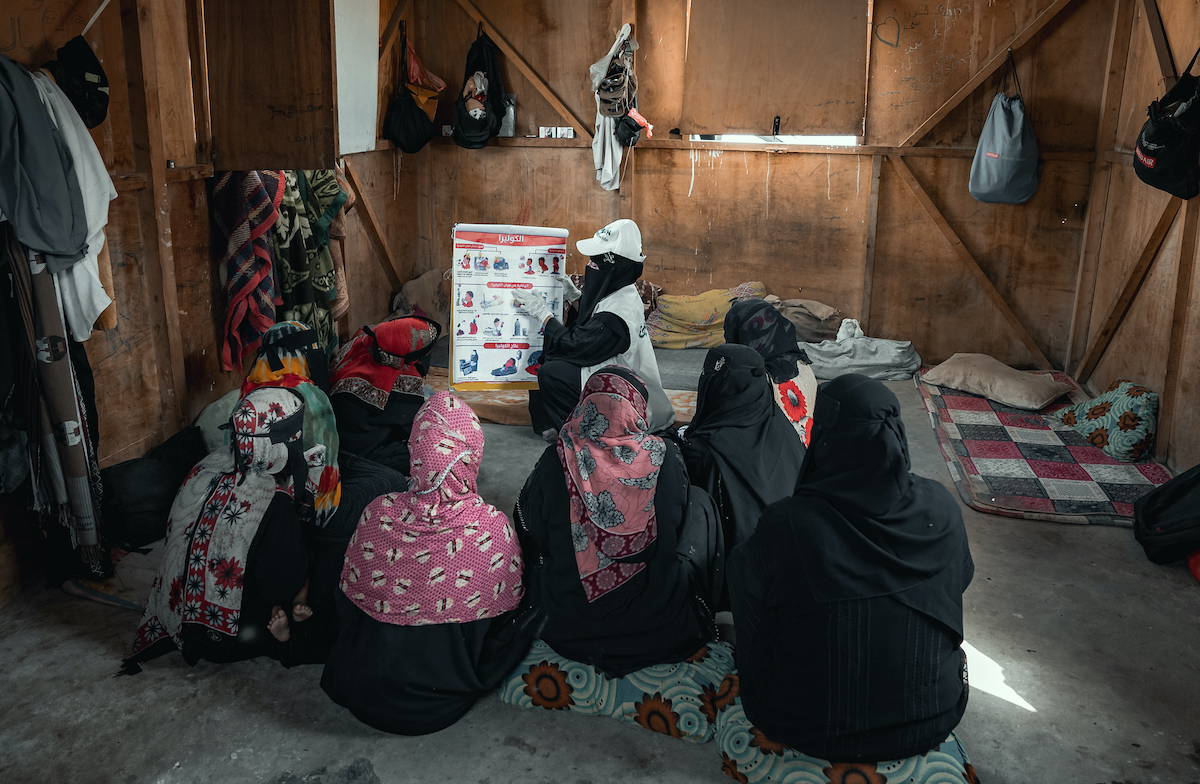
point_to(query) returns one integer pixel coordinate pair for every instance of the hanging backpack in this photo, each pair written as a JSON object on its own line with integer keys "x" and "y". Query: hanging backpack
{"x": 1168, "y": 146}
{"x": 406, "y": 124}
{"x": 1166, "y": 521}
{"x": 1006, "y": 169}
{"x": 474, "y": 132}
{"x": 617, "y": 91}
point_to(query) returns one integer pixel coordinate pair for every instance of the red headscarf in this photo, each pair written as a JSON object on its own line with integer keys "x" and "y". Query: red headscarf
{"x": 392, "y": 357}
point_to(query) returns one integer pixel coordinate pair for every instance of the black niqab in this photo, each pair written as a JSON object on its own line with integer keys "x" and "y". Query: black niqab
{"x": 604, "y": 275}
{"x": 755, "y": 323}
{"x": 754, "y": 446}
{"x": 862, "y": 524}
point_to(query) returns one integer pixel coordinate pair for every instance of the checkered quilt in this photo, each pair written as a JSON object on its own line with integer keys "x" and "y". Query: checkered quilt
{"x": 1017, "y": 463}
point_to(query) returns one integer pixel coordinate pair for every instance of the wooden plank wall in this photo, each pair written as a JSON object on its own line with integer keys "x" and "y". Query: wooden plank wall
{"x": 798, "y": 221}
{"x": 1141, "y": 345}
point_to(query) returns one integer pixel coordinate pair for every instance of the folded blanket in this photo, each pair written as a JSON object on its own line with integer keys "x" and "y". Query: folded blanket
{"x": 886, "y": 360}
{"x": 696, "y": 321}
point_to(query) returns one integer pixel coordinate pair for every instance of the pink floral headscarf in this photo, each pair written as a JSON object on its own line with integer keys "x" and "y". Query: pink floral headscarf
{"x": 612, "y": 466}
{"x": 437, "y": 553}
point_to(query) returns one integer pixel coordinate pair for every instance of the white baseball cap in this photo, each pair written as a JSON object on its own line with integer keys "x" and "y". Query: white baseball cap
{"x": 622, "y": 237}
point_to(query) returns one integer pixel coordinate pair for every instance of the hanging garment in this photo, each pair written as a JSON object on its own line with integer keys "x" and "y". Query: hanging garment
{"x": 234, "y": 547}
{"x": 68, "y": 484}
{"x": 848, "y": 596}
{"x": 245, "y": 206}
{"x": 606, "y": 150}
{"x": 378, "y": 381}
{"x": 740, "y": 447}
{"x": 305, "y": 266}
{"x": 83, "y": 296}
{"x": 39, "y": 189}
{"x": 291, "y": 357}
{"x": 623, "y": 563}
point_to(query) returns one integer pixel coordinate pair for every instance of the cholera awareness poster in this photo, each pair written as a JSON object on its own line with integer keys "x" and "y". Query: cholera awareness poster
{"x": 491, "y": 346}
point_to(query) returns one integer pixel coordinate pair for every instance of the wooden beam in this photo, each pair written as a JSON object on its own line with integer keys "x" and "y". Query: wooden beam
{"x": 1185, "y": 268}
{"x": 391, "y": 267}
{"x": 628, "y": 186}
{"x": 864, "y": 315}
{"x": 1162, "y": 47}
{"x": 988, "y": 68}
{"x": 1137, "y": 275}
{"x": 393, "y": 24}
{"x": 969, "y": 261}
{"x": 524, "y": 67}
{"x": 138, "y": 19}
{"x": 129, "y": 182}
{"x": 1097, "y": 206}
{"x": 199, "y": 55}
{"x": 184, "y": 173}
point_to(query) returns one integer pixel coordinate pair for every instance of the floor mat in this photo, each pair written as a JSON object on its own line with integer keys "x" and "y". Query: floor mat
{"x": 512, "y": 408}
{"x": 1017, "y": 463}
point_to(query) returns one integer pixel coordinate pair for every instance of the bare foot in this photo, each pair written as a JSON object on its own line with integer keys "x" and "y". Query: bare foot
{"x": 301, "y": 612}
{"x": 278, "y": 625}
{"x": 550, "y": 434}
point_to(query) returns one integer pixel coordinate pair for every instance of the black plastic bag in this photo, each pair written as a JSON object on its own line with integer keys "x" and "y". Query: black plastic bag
{"x": 471, "y": 132}
{"x": 1166, "y": 521}
{"x": 78, "y": 73}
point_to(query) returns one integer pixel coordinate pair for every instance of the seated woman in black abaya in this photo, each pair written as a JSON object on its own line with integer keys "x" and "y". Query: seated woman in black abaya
{"x": 623, "y": 559}
{"x": 740, "y": 446}
{"x": 847, "y": 599}
{"x": 378, "y": 387}
{"x": 609, "y": 330}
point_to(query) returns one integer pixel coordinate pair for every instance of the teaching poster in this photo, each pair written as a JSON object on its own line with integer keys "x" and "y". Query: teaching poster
{"x": 491, "y": 346}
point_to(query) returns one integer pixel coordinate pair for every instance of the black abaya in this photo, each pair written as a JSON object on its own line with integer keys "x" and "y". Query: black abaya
{"x": 740, "y": 446}
{"x": 848, "y": 597}
{"x": 413, "y": 680}
{"x": 380, "y": 436}
{"x": 661, "y": 615}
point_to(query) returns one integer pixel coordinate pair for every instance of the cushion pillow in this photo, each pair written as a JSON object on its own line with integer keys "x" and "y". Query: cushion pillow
{"x": 674, "y": 699}
{"x": 749, "y": 756}
{"x": 983, "y": 375}
{"x": 1122, "y": 421}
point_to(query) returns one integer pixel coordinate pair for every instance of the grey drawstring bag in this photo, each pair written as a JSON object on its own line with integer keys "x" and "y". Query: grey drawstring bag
{"x": 1006, "y": 169}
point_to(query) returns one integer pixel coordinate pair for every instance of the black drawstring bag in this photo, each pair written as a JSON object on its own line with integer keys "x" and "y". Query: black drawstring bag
{"x": 1166, "y": 521}
{"x": 470, "y": 132}
{"x": 78, "y": 74}
{"x": 1168, "y": 146}
{"x": 406, "y": 124}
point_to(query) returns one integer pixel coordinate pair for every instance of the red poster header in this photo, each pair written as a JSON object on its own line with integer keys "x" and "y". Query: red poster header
{"x": 515, "y": 240}
{"x": 506, "y": 345}
{"x": 468, "y": 245}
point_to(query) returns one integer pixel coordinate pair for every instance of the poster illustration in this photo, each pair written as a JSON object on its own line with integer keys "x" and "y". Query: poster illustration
{"x": 492, "y": 347}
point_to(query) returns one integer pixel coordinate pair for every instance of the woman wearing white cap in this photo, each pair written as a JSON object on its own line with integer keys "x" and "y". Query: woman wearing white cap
{"x": 610, "y": 330}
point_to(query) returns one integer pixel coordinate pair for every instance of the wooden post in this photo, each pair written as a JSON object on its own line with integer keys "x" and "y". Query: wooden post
{"x": 864, "y": 316}
{"x": 1133, "y": 283}
{"x": 364, "y": 210}
{"x": 525, "y": 68}
{"x": 199, "y": 54}
{"x": 1179, "y": 322}
{"x": 967, "y": 259}
{"x": 1162, "y": 48}
{"x": 628, "y": 187}
{"x": 137, "y": 17}
{"x": 990, "y": 67}
{"x": 1097, "y": 206}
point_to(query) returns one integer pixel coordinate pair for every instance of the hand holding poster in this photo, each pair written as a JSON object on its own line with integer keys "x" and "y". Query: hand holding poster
{"x": 493, "y": 346}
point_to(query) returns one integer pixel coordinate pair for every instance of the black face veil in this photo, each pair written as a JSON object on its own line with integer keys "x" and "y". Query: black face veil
{"x": 604, "y": 275}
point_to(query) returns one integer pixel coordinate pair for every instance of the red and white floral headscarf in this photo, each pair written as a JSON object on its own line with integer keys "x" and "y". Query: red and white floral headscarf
{"x": 612, "y": 467}
{"x": 437, "y": 553}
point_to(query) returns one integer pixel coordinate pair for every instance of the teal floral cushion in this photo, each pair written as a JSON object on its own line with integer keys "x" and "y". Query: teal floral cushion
{"x": 680, "y": 700}
{"x": 1121, "y": 422}
{"x": 749, "y": 757}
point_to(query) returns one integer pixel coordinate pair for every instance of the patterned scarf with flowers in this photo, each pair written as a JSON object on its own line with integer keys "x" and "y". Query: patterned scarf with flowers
{"x": 437, "y": 553}
{"x": 612, "y": 467}
{"x": 215, "y": 517}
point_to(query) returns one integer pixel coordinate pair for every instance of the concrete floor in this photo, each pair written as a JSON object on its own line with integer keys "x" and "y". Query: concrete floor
{"x": 1074, "y": 621}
